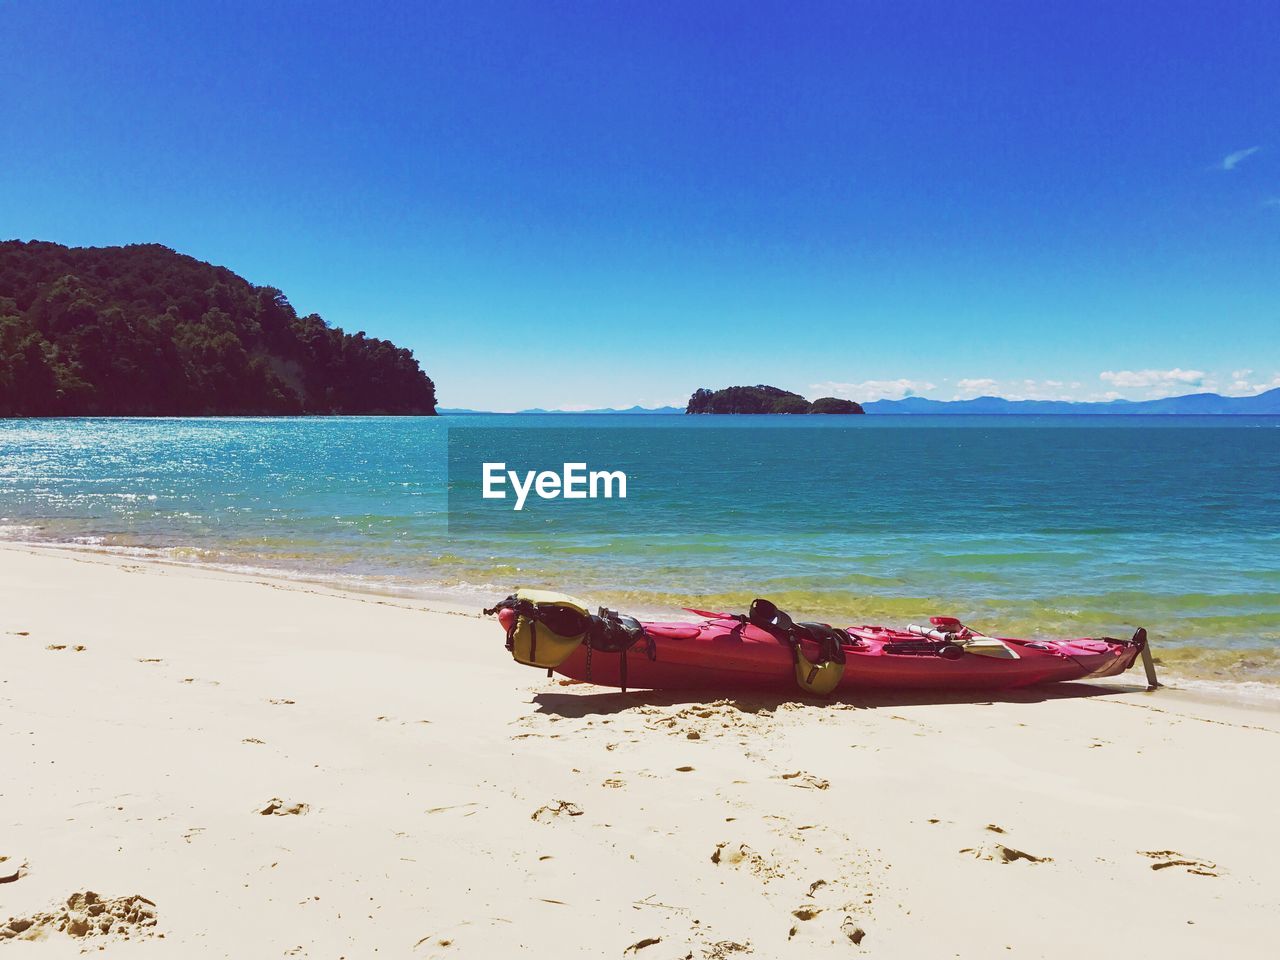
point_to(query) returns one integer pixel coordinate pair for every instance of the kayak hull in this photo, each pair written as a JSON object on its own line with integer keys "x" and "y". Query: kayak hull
{"x": 725, "y": 655}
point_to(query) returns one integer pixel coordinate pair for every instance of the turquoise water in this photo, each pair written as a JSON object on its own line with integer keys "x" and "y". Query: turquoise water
{"x": 1028, "y": 526}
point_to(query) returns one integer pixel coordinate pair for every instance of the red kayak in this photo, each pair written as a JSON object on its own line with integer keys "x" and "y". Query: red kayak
{"x": 727, "y": 653}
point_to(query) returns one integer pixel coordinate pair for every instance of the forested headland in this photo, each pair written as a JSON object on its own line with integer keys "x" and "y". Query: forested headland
{"x": 142, "y": 330}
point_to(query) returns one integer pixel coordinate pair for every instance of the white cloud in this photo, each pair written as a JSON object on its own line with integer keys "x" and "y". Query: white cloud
{"x": 1159, "y": 383}
{"x": 871, "y": 389}
{"x": 1041, "y": 390}
{"x": 975, "y": 387}
{"x": 1155, "y": 384}
{"x": 1245, "y": 383}
{"x": 1233, "y": 160}
{"x": 1249, "y": 389}
{"x": 1026, "y": 389}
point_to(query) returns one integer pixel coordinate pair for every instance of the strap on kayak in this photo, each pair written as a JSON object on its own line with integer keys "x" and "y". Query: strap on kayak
{"x": 612, "y": 632}
{"x": 947, "y": 650}
{"x": 820, "y": 676}
{"x": 546, "y": 631}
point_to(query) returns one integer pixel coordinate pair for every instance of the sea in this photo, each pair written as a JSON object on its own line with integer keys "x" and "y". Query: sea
{"x": 1020, "y": 526}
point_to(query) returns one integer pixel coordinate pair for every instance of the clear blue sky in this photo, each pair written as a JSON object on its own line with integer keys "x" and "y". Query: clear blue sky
{"x": 608, "y": 203}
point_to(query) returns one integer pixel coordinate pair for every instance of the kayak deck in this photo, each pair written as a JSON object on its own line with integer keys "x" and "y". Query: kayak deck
{"x": 726, "y": 655}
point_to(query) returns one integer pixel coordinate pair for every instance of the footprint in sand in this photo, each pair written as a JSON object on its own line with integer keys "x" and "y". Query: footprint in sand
{"x": 641, "y": 944}
{"x": 78, "y": 648}
{"x": 557, "y": 808}
{"x": 806, "y": 780}
{"x": 11, "y": 872}
{"x": 280, "y": 702}
{"x": 1164, "y": 859}
{"x": 831, "y": 913}
{"x": 851, "y": 930}
{"x": 742, "y": 856}
{"x": 614, "y": 784}
{"x": 276, "y": 807}
{"x": 1000, "y": 853}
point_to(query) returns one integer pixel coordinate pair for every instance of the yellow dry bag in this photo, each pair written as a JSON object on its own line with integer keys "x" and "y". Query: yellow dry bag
{"x": 818, "y": 678}
{"x": 547, "y": 628}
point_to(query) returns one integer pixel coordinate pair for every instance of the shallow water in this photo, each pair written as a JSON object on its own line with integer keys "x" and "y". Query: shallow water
{"x": 1025, "y": 526}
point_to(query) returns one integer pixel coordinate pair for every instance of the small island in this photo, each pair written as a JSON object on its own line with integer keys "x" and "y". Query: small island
{"x": 765, "y": 399}
{"x": 142, "y": 330}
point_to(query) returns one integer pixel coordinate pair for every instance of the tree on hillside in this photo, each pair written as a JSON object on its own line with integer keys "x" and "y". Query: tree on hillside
{"x": 142, "y": 330}
{"x": 763, "y": 399}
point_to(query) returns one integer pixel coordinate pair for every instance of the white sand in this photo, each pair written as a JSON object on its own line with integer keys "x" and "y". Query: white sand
{"x": 139, "y": 765}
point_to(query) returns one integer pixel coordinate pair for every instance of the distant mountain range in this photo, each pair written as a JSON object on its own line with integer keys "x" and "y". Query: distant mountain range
{"x": 1262, "y": 404}
{"x": 628, "y": 410}
{"x": 1201, "y": 403}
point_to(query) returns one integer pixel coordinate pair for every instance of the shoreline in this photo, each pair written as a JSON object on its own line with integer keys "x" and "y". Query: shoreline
{"x": 280, "y": 769}
{"x": 1217, "y": 671}
{"x": 279, "y": 579}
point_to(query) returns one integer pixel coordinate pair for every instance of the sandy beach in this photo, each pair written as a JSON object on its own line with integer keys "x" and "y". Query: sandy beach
{"x": 277, "y": 769}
